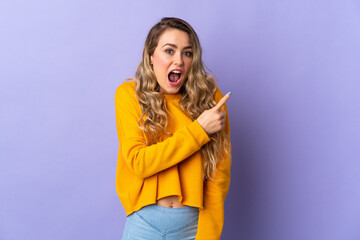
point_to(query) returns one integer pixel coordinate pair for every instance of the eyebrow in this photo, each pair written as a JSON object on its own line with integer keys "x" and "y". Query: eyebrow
{"x": 174, "y": 46}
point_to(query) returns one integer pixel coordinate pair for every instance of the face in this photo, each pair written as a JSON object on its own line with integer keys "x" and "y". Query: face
{"x": 171, "y": 60}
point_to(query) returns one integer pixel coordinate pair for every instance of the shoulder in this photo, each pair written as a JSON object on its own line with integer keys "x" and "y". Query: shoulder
{"x": 126, "y": 89}
{"x": 218, "y": 94}
{"x": 125, "y": 96}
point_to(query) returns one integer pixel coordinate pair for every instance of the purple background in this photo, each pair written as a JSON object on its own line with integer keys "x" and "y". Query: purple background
{"x": 293, "y": 68}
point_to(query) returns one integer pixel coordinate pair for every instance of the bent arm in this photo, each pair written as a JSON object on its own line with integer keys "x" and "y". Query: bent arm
{"x": 211, "y": 218}
{"x": 143, "y": 160}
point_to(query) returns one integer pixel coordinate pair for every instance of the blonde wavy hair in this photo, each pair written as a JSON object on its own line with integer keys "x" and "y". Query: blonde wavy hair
{"x": 197, "y": 95}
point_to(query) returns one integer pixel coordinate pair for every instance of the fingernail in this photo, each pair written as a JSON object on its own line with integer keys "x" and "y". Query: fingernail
{"x": 229, "y": 93}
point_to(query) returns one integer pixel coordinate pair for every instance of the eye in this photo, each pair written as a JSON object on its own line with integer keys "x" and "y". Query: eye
{"x": 188, "y": 53}
{"x": 169, "y": 51}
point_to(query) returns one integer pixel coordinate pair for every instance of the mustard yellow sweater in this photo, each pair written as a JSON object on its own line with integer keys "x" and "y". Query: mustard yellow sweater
{"x": 172, "y": 166}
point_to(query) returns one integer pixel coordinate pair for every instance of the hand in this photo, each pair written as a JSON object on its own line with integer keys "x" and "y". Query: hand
{"x": 212, "y": 120}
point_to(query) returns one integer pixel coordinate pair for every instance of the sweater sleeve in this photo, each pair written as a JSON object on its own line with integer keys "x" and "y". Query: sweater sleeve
{"x": 143, "y": 160}
{"x": 211, "y": 217}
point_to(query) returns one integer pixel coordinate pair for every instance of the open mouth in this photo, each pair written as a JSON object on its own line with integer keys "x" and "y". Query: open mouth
{"x": 175, "y": 77}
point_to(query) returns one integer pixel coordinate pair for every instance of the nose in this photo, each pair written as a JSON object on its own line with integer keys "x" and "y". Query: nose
{"x": 178, "y": 59}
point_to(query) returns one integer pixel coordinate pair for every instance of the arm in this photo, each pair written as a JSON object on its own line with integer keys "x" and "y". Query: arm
{"x": 211, "y": 218}
{"x": 143, "y": 160}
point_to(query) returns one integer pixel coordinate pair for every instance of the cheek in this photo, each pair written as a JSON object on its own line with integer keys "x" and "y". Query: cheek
{"x": 161, "y": 62}
{"x": 188, "y": 64}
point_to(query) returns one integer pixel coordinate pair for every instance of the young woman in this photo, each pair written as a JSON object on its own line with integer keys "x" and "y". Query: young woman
{"x": 174, "y": 159}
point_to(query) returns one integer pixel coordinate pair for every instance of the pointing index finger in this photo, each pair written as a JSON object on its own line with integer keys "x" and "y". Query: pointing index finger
{"x": 222, "y": 101}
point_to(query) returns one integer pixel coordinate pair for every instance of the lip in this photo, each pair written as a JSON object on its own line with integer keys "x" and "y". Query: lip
{"x": 178, "y": 81}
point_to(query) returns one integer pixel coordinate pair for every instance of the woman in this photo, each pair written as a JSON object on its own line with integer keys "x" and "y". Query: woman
{"x": 173, "y": 169}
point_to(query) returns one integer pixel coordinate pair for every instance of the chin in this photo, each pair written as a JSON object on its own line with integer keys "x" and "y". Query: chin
{"x": 171, "y": 91}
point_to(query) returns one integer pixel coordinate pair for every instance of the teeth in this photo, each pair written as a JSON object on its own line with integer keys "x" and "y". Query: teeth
{"x": 175, "y": 71}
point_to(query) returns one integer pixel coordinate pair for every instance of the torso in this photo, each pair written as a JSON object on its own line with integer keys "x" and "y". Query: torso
{"x": 170, "y": 201}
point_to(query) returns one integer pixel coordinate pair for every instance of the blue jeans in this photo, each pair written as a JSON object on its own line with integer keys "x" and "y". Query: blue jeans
{"x": 154, "y": 222}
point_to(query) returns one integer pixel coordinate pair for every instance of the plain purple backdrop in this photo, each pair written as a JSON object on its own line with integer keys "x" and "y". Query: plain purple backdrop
{"x": 292, "y": 66}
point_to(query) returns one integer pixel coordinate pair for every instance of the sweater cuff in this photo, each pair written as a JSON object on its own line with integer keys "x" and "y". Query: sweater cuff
{"x": 198, "y": 133}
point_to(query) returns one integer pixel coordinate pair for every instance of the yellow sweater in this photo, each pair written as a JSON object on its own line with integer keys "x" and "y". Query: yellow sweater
{"x": 172, "y": 166}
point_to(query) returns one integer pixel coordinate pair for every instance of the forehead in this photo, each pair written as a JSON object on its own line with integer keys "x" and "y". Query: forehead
{"x": 174, "y": 36}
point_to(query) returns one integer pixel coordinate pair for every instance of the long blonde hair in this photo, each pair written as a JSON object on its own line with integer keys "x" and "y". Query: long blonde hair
{"x": 197, "y": 94}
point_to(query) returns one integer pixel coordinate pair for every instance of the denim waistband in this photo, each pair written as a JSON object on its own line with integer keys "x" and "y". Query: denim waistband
{"x": 166, "y": 219}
